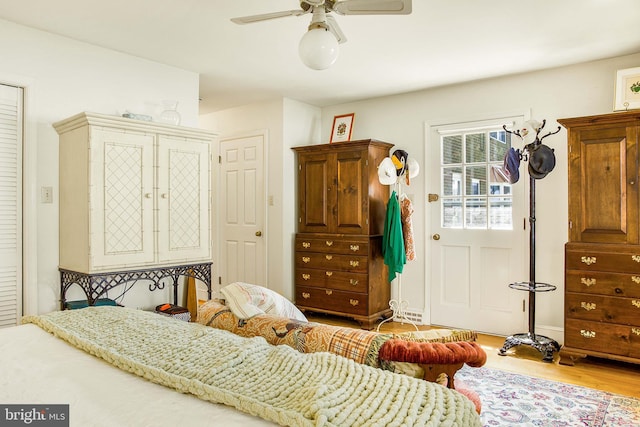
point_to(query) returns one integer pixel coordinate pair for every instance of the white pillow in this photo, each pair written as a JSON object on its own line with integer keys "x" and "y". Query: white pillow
{"x": 246, "y": 300}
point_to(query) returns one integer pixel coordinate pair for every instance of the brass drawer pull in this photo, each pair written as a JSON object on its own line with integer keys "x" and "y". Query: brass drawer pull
{"x": 588, "y": 305}
{"x": 588, "y": 260}
{"x": 306, "y": 295}
{"x": 354, "y": 248}
{"x": 588, "y": 334}
{"x": 635, "y": 279}
{"x": 329, "y": 273}
{"x": 329, "y": 291}
{"x": 353, "y": 282}
{"x": 306, "y": 245}
{"x": 306, "y": 259}
{"x": 636, "y": 303}
{"x": 635, "y": 331}
{"x": 329, "y": 257}
{"x": 306, "y": 276}
{"x": 354, "y": 263}
{"x": 636, "y": 258}
{"x": 329, "y": 242}
{"x": 588, "y": 281}
{"x": 353, "y": 302}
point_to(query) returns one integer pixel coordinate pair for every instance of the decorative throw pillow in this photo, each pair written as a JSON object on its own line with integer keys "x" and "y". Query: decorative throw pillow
{"x": 246, "y": 300}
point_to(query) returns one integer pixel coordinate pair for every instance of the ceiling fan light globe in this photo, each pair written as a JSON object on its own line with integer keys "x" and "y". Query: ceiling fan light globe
{"x": 318, "y": 49}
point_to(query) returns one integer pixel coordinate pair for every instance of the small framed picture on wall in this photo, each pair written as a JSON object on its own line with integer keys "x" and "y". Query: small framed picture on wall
{"x": 627, "y": 89}
{"x": 342, "y": 127}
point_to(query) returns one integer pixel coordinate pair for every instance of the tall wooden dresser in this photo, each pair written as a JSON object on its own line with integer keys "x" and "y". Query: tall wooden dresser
{"x": 602, "y": 256}
{"x": 339, "y": 267}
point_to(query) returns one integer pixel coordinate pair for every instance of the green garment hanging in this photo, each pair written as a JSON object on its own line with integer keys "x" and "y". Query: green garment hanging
{"x": 392, "y": 240}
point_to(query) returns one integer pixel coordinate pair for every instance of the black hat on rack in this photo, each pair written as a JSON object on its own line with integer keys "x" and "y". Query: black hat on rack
{"x": 542, "y": 160}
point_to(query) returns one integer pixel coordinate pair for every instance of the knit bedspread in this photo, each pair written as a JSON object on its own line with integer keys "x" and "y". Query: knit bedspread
{"x": 276, "y": 383}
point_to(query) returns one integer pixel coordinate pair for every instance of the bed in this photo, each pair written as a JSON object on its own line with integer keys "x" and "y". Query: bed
{"x": 116, "y": 366}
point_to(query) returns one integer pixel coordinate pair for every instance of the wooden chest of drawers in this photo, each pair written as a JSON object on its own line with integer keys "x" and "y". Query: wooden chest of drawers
{"x": 343, "y": 275}
{"x": 602, "y": 302}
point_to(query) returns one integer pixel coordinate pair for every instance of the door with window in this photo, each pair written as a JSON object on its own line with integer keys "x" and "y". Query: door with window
{"x": 477, "y": 234}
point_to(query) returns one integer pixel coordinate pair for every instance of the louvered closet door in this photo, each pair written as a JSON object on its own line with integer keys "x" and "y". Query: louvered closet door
{"x": 10, "y": 205}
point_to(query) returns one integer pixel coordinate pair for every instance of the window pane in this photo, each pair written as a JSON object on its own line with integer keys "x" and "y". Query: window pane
{"x": 451, "y": 149}
{"x": 499, "y": 143}
{"x": 452, "y": 181}
{"x": 476, "y": 192}
{"x": 476, "y": 148}
{"x": 500, "y": 213}
{"x": 476, "y": 184}
{"x": 475, "y": 212}
{"x": 452, "y": 213}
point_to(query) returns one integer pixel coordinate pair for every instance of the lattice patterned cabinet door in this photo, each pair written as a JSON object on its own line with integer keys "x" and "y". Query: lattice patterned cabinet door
{"x": 122, "y": 216}
{"x": 183, "y": 202}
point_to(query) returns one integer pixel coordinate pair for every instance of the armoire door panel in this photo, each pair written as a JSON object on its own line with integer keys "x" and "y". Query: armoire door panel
{"x": 123, "y": 196}
{"x": 183, "y": 199}
{"x": 352, "y": 199}
{"x": 318, "y": 192}
{"x": 604, "y": 175}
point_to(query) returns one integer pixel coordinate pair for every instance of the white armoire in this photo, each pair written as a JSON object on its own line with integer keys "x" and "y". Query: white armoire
{"x": 133, "y": 194}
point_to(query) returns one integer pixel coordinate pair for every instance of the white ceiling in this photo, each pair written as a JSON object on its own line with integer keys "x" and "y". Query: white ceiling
{"x": 440, "y": 43}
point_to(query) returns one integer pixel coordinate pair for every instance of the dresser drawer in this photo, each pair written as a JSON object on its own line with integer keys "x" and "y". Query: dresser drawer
{"x": 339, "y": 280}
{"x": 591, "y": 260}
{"x": 328, "y": 299}
{"x": 625, "y": 311}
{"x": 332, "y": 262}
{"x": 607, "y": 338}
{"x": 603, "y": 283}
{"x": 333, "y": 245}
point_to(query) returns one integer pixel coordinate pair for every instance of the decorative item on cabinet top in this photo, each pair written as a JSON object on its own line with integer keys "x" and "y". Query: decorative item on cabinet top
{"x": 130, "y": 124}
{"x": 627, "y": 95}
{"x": 342, "y": 128}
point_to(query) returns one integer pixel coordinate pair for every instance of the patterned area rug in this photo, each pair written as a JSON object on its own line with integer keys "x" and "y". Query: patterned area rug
{"x": 510, "y": 399}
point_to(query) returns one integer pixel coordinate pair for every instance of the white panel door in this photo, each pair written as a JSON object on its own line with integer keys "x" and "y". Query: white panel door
{"x": 183, "y": 193}
{"x": 241, "y": 213}
{"x": 477, "y": 239}
{"x": 10, "y": 205}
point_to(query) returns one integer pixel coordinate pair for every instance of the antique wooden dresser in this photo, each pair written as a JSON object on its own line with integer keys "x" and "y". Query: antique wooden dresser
{"x": 602, "y": 256}
{"x": 339, "y": 267}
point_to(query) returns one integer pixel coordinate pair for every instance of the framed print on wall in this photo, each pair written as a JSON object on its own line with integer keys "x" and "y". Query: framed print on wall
{"x": 627, "y": 95}
{"x": 342, "y": 127}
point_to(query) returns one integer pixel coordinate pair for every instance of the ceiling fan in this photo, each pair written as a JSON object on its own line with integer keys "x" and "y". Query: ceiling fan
{"x": 318, "y": 48}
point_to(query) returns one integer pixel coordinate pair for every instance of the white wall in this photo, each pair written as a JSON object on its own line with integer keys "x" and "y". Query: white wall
{"x": 287, "y": 123}
{"x": 64, "y": 77}
{"x": 558, "y": 93}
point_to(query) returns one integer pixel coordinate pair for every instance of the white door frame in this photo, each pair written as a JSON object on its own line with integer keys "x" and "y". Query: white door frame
{"x": 429, "y": 188}
{"x": 217, "y": 200}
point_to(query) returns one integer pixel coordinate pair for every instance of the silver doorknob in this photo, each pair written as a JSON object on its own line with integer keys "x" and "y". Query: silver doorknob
{"x": 436, "y": 236}
{"x": 258, "y": 233}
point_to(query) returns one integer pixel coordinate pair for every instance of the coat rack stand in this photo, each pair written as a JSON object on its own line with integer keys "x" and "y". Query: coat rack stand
{"x": 543, "y": 344}
{"x": 398, "y": 306}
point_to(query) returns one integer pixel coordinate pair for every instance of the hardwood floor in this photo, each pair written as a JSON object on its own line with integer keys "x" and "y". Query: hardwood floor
{"x": 602, "y": 374}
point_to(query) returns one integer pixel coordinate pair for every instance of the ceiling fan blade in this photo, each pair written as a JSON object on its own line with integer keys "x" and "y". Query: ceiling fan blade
{"x": 372, "y": 7}
{"x": 266, "y": 16}
{"x": 335, "y": 29}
